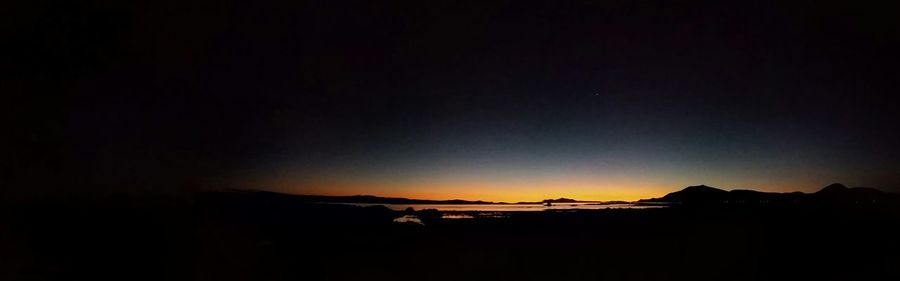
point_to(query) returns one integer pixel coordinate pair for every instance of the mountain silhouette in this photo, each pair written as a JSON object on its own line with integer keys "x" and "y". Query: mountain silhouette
{"x": 369, "y": 199}
{"x": 693, "y": 194}
{"x": 837, "y": 193}
{"x": 833, "y": 194}
{"x": 560, "y": 200}
{"x": 832, "y": 189}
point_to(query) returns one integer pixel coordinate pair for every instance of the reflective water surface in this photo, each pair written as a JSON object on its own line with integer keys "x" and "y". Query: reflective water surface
{"x": 510, "y": 207}
{"x": 409, "y": 219}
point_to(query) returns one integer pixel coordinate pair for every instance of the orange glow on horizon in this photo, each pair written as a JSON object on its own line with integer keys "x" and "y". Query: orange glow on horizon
{"x": 585, "y": 186}
{"x": 587, "y": 190}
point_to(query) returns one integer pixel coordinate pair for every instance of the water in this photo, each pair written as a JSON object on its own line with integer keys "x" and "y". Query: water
{"x": 409, "y": 219}
{"x": 509, "y": 207}
{"x": 494, "y": 210}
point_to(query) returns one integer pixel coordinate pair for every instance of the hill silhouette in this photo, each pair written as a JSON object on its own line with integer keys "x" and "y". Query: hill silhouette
{"x": 697, "y": 193}
{"x": 834, "y": 188}
{"x": 557, "y": 200}
{"x": 371, "y": 199}
{"x": 833, "y": 194}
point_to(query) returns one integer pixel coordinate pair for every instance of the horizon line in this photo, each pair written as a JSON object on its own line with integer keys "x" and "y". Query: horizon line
{"x": 556, "y": 198}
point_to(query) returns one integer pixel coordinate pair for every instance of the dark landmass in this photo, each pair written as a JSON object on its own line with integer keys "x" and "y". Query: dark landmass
{"x": 834, "y": 194}
{"x": 558, "y": 200}
{"x": 370, "y": 199}
{"x": 271, "y": 236}
{"x": 692, "y": 195}
{"x": 610, "y": 202}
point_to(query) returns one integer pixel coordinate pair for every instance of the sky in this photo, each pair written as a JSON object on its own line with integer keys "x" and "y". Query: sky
{"x": 500, "y": 101}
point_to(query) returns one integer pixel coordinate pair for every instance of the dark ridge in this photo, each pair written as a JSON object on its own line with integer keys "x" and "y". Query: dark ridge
{"x": 834, "y": 188}
{"x": 855, "y": 195}
{"x": 560, "y": 200}
{"x": 371, "y": 199}
{"x": 702, "y": 188}
{"x": 361, "y": 199}
{"x": 693, "y": 194}
{"x": 833, "y": 194}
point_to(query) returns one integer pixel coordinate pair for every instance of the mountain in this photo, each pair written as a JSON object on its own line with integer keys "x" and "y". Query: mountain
{"x": 833, "y": 194}
{"x": 695, "y": 193}
{"x": 558, "y": 200}
{"x": 836, "y": 193}
{"x": 832, "y": 189}
{"x": 370, "y": 199}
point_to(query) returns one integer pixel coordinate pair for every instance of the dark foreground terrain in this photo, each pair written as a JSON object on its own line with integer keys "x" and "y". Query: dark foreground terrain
{"x": 264, "y": 236}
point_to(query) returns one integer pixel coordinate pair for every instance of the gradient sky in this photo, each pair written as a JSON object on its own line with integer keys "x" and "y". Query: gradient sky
{"x": 503, "y": 101}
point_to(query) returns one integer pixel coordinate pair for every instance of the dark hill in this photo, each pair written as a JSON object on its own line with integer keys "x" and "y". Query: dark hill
{"x": 557, "y": 200}
{"x": 695, "y": 194}
{"x": 362, "y": 199}
{"x": 833, "y": 189}
{"x": 837, "y": 193}
{"x": 833, "y": 194}
{"x": 560, "y": 200}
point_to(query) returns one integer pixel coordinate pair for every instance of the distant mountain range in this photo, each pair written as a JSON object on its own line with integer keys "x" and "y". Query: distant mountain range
{"x": 370, "y": 199}
{"x": 558, "y": 200}
{"x": 832, "y": 194}
{"x": 691, "y": 195}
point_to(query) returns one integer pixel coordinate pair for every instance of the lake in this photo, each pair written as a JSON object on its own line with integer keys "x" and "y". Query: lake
{"x": 509, "y": 207}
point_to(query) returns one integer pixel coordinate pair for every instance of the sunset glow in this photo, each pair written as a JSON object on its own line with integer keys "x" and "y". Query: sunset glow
{"x": 593, "y": 188}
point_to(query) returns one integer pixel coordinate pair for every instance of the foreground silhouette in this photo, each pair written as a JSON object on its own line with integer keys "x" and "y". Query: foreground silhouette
{"x": 837, "y": 233}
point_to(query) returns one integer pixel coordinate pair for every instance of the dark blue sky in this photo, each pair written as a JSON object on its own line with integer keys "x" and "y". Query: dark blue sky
{"x": 501, "y": 100}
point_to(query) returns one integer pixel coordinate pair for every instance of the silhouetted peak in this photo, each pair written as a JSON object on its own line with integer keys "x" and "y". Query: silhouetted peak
{"x": 834, "y": 194}
{"x": 693, "y": 194}
{"x": 832, "y": 188}
{"x": 701, "y": 188}
{"x": 559, "y": 200}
